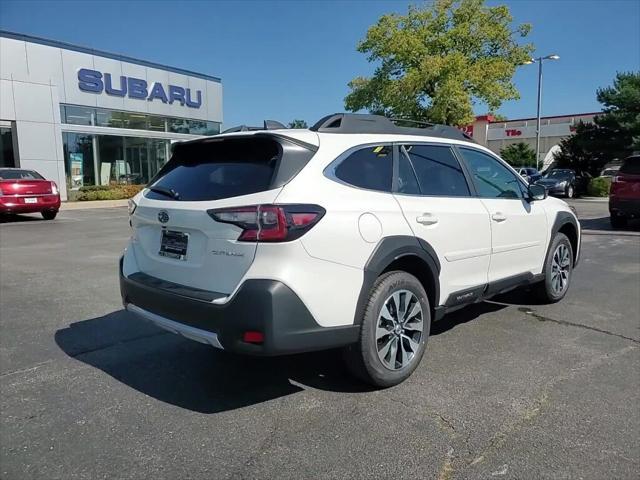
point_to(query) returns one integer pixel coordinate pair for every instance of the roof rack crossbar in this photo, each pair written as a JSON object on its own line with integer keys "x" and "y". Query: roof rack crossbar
{"x": 368, "y": 123}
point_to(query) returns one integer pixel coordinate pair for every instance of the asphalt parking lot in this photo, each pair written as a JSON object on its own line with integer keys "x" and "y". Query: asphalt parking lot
{"x": 505, "y": 390}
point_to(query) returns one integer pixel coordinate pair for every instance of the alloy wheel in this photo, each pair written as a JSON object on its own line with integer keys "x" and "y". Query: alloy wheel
{"x": 569, "y": 191}
{"x": 399, "y": 329}
{"x": 560, "y": 269}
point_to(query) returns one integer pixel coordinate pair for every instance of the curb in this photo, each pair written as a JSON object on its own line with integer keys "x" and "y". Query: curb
{"x": 93, "y": 204}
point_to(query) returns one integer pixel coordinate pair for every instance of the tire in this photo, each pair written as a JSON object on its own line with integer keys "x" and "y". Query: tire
{"x": 49, "y": 214}
{"x": 569, "y": 192}
{"x": 375, "y": 360}
{"x": 618, "y": 221}
{"x": 549, "y": 290}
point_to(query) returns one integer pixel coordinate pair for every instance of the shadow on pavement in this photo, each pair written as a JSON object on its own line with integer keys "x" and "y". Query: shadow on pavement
{"x": 15, "y": 218}
{"x": 604, "y": 224}
{"x": 462, "y": 316}
{"x": 194, "y": 376}
{"x": 202, "y": 379}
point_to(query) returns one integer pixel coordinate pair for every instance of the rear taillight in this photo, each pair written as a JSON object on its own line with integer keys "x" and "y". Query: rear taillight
{"x": 54, "y": 188}
{"x": 270, "y": 223}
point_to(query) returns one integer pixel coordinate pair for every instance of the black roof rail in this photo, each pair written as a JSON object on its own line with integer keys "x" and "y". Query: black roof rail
{"x": 368, "y": 123}
{"x": 268, "y": 125}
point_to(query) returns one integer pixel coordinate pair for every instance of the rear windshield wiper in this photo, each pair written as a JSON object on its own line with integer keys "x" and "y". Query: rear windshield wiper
{"x": 169, "y": 192}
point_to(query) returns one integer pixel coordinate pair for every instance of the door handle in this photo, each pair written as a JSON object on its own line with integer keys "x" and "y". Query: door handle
{"x": 499, "y": 217}
{"x": 427, "y": 219}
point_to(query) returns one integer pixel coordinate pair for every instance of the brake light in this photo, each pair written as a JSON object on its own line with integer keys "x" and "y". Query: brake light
{"x": 253, "y": 337}
{"x": 270, "y": 223}
{"x": 54, "y": 188}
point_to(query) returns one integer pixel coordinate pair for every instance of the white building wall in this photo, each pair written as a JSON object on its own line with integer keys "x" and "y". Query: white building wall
{"x": 32, "y": 102}
{"x": 35, "y": 79}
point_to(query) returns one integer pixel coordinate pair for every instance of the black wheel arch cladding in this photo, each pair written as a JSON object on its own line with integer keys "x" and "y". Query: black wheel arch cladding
{"x": 566, "y": 223}
{"x": 398, "y": 249}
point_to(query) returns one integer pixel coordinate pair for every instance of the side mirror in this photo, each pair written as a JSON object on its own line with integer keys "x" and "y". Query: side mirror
{"x": 537, "y": 192}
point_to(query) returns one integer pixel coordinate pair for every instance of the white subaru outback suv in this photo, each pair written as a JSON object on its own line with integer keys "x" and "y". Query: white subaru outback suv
{"x": 355, "y": 233}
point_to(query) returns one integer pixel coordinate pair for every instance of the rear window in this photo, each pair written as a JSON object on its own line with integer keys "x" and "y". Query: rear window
{"x": 220, "y": 169}
{"x": 631, "y": 166}
{"x": 20, "y": 175}
{"x": 370, "y": 168}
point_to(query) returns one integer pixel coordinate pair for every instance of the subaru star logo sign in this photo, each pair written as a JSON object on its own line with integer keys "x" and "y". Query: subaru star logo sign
{"x": 163, "y": 216}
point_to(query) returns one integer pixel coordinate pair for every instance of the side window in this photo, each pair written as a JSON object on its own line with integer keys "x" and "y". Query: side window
{"x": 407, "y": 182}
{"x": 438, "y": 171}
{"x": 491, "y": 178}
{"x": 370, "y": 168}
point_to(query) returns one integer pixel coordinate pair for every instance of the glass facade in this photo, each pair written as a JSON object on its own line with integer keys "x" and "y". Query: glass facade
{"x": 78, "y": 159}
{"x": 101, "y": 117}
{"x": 112, "y": 159}
{"x": 115, "y": 159}
{"x": 7, "y": 157}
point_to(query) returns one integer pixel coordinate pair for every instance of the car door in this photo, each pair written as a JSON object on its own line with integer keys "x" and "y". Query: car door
{"x": 440, "y": 208}
{"x": 518, "y": 226}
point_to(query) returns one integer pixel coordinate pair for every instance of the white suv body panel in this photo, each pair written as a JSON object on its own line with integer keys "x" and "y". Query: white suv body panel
{"x": 325, "y": 267}
{"x": 458, "y": 230}
{"x": 519, "y": 237}
{"x": 216, "y": 261}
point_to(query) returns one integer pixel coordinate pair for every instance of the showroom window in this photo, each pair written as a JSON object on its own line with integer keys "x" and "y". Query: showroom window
{"x": 7, "y": 157}
{"x": 112, "y": 159}
{"x": 78, "y": 160}
{"x": 102, "y": 117}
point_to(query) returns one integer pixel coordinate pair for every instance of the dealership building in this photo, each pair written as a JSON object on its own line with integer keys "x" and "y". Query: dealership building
{"x": 497, "y": 135}
{"x": 83, "y": 117}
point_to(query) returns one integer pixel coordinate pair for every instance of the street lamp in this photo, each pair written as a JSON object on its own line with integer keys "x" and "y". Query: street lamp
{"x": 529, "y": 62}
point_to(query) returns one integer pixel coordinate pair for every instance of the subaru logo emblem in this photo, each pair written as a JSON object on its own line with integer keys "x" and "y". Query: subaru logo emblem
{"x": 163, "y": 216}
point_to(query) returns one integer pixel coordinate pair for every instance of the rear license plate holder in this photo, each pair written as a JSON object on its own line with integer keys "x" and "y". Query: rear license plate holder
{"x": 30, "y": 200}
{"x": 174, "y": 244}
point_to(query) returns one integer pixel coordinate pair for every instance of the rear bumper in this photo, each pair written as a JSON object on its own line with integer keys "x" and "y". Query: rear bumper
{"x": 16, "y": 204}
{"x": 627, "y": 207}
{"x": 266, "y": 306}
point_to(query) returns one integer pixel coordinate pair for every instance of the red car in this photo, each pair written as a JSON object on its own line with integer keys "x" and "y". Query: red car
{"x": 624, "y": 196}
{"x": 26, "y": 191}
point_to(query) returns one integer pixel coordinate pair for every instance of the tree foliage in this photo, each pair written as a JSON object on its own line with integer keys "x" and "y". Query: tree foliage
{"x": 615, "y": 134}
{"x": 435, "y": 62}
{"x": 519, "y": 155}
{"x": 621, "y": 106}
{"x": 298, "y": 124}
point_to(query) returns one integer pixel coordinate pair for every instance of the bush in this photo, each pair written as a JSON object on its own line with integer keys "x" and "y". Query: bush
{"x": 96, "y": 188}
{"x": 599, "y": 187}
{"x": 107, "y": 192}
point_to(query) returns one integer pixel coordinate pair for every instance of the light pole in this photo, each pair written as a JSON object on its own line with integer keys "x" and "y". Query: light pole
{"x": 540, "y": 60}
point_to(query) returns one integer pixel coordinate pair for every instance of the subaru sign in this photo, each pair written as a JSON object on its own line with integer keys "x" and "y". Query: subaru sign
{"x": 94, "y": 81}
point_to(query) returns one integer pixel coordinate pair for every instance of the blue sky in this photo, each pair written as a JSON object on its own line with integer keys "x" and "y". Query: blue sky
{"x": 288, "y": 59}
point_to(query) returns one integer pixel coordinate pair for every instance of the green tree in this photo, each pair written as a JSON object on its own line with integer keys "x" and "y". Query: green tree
{"x": 519, "y": 155}
{"x": 436, "y": 62}
{"x": 614, "y": 135}
{"x": 298, "y": 124}
{"x": 621, "y": 106}
{"x": 498, "y": 117}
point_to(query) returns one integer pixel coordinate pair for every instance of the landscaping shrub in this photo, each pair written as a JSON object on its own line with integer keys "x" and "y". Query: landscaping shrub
{"x": 599, "y": 187}
{"x": 107, "y": 192}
